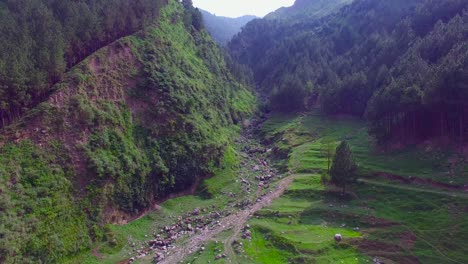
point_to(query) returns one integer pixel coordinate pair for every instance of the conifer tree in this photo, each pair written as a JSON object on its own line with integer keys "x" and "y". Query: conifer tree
{"x": 343, "y": 169}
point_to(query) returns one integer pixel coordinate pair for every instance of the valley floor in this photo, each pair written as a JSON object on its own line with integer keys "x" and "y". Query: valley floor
{"x": 409, "y": 206}
{"x": 404, "y": 219}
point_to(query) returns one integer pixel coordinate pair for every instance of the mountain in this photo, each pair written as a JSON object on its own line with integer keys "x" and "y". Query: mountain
{"x": 222, "y": 29}
{"x": 110, "y": 107}
{"x": 139, "y": 119}
{"x": 400, "y": 64}
{"x": 307, "y": 9}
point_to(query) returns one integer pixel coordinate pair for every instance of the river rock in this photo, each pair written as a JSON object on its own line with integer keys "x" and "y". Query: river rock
{"x": 196, "y": 211}
{"x": 338, "y": 237}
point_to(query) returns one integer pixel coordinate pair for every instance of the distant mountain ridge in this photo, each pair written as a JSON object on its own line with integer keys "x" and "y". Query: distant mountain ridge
{"x": 222, "y": 29}
{"x": 307, "y": 8}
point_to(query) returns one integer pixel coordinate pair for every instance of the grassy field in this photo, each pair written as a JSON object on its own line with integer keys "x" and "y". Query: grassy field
{"x": 302, "y": 137}
{"x": 396, "y": 223}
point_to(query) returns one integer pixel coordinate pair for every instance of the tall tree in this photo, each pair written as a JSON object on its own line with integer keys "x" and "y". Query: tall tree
{"x": 343, "y": 169}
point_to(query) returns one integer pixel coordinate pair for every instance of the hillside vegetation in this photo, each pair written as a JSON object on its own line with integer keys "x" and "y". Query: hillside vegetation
{"x": 306, "y": 9}
{"x": 128, "y": 135}
{"x": 401, "y": 64}
{"x": 41, "y": 40}
{"x": 148, "y": 115}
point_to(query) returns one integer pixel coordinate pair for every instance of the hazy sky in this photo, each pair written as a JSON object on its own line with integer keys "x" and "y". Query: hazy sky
{"x": 236, "y": 8}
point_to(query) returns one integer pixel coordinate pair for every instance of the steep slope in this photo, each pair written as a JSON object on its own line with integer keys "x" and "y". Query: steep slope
{"x": 222, "y": 29}
{"x": 41, "y": 39}
{"x": 149, "y": 115}
{"x": 389, "y": 61}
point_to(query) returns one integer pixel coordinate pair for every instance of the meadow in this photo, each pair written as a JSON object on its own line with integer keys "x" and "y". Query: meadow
{"x": 379, "y": 219}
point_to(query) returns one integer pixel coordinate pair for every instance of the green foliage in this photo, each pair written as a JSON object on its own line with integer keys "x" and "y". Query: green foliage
{"x": 290, "y": 95}
{"x": 192, "y": 16}
{"x": 40, "y": 220}
{"x": 114, "y": 156}
{"x": 343, "y": 169}
{"x": 389, "y": 61}
{"x": 40, "y": 40}
{"x": 145, "y": 117}
{"x": 186, "y": 87}
{"x": 304, "y": 9}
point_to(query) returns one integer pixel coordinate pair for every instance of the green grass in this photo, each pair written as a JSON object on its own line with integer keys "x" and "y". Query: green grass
{"x": 291, "y": 234}
{"x": 398, "y": 223}
{"x": 384, "y": 214}
{"x": 262, "y": 250}
{"x": 302, "y": 135}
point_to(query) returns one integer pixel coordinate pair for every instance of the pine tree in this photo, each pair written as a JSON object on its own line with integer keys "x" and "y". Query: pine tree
{"x": 343, "y": 169}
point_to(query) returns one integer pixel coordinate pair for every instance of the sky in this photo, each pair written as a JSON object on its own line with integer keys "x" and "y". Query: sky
{"x": 237, "y": 8}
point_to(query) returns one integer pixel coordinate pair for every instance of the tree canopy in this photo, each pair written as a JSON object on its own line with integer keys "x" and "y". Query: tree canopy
{"x": 343, "y": 169}
{"x": 41, "y": 39}
{"x": 400, "y": 64}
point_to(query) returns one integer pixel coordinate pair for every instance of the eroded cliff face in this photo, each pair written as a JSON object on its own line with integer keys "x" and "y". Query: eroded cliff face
{"x": 141, "y": 119}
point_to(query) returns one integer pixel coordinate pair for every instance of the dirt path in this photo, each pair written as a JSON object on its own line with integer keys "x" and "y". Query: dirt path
{"x": 235, "y": 222}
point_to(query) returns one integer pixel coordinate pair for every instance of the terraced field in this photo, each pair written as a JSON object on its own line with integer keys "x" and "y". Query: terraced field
{"x": 380, "y": 218}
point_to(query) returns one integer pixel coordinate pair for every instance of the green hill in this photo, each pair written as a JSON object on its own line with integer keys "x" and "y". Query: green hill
{"x": 143, "y": 117}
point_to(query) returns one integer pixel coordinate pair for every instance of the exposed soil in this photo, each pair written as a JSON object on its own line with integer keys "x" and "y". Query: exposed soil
{"x": 389, "y": 251}
{"x": 367, "y": 220}
{"x": 421, "y": 181}
{"x": 408, "y": 239}
{"x": 96, "y": 253}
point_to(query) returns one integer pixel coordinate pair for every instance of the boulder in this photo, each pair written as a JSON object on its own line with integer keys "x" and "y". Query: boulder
{"x": 338, "y": 237}
{"x": 196, "y": 211}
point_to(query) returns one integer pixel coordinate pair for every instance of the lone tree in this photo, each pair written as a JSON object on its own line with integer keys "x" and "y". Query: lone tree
{"x": 343, "y": 169}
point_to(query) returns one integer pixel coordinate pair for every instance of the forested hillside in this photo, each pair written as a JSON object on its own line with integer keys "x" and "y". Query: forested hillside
{"x": 222, "y": 29}
{"x": 307, "y": 9}
{"x": 403, "y": 65}
{"x": 146, "y": 116}
{"x": 40, "y": 40}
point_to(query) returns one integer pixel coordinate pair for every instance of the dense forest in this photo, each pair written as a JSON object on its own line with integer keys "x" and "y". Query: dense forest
{"x": 306, "y": 9}
{"x": 403, "y": 65}
{"x": 40, "y": 40}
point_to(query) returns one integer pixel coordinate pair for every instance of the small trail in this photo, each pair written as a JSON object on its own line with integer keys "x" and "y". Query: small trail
{"x": 235, "y": 222}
